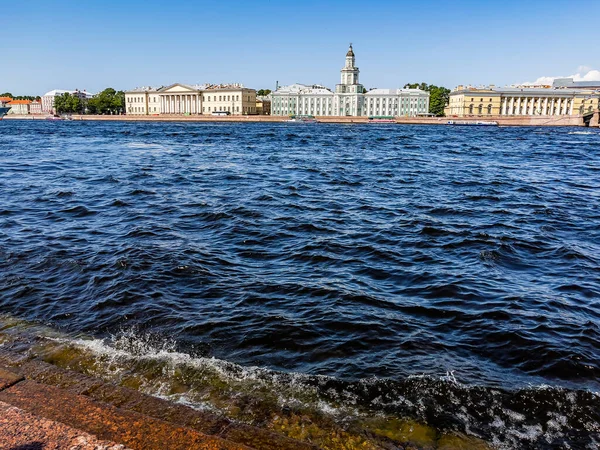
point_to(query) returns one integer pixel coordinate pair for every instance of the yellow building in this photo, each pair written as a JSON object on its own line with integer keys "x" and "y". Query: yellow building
{"x": 181, "y": 99}
{"x": 263, "y": 106}
{"x": 521, "y": 101}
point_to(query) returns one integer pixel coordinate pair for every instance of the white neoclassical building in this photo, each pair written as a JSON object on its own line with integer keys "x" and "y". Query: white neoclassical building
{"x": 349, "y": 99}
{"x": 183, "y": 99}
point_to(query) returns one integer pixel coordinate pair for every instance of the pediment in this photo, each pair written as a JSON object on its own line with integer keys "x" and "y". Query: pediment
{"x": 178, "y": 88}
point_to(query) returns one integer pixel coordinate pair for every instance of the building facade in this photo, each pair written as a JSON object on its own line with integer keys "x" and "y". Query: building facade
{"x": 49, "y": 97}
{"x": 19, "y": 107}
{"x": 521, "y": 101}
{"x": 182, "y": 99}
{"x": 35, "y": 107}
{"x": 350, "y": 98}
{"x": 263, "y": 105}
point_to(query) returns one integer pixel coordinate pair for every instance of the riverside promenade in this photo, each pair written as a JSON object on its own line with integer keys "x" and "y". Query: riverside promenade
{"x": 532, "y": 121}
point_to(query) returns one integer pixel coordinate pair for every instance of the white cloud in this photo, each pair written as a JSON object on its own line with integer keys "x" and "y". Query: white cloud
{"x": 584, "y": 73}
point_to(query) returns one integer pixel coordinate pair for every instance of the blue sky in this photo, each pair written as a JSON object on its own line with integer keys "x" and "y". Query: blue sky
{"x": 91, "y": 44}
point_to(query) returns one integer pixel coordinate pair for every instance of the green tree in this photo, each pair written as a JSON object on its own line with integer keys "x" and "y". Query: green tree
{"x": 438, "y": 96}
{"x": 108, "y": 101}
{"x": 263, "y": 92}
{"x": 67, "y": 103}
{"x": 7, "y": 94}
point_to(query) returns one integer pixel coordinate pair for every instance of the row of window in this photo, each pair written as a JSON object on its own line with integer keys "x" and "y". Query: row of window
{"x": 207, "y": 98}
{"x": 140, "y": 109}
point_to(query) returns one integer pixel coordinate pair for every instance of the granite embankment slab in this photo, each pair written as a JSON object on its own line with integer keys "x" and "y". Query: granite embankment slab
{"x": 91, "y": 407}
{"x": 20, "y": 430}
{"x": 531, "y": 121}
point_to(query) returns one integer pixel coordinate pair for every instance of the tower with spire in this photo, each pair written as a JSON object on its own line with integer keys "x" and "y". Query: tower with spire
{"x": 349, "y": 91}
{"x": 349, "y": 75}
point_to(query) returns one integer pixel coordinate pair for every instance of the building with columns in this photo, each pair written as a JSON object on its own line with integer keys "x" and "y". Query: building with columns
{"x": 521, "y": 101}
{"x": 183, "y": 99}
{"x": 350, "y": 98}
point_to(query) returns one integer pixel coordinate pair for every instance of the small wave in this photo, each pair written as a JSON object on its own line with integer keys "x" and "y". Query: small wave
{"x": 78, "y": 211}
{"x": 510, "y": 419}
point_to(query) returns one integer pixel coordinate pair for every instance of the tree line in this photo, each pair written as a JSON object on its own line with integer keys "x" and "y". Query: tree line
{"x": 109, "y": 101}
{"x": 21, "y": 97}
{"x": 438, "y": 96}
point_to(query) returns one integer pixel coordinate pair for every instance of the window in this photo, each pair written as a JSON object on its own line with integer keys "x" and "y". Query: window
{"x": 470, "y": 109}
{"x": 489, "y": 109}
{"x": 480, "y": 109}
{"x": 219, "y": 98}
{"x": 237, "y": 98}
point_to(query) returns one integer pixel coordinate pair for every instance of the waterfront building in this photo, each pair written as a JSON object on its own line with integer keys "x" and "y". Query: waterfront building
{"x": 298, "y": 98}
{"x": 142, "y": 101}
{"x": 182, "y": 99}
{"x": 35, "y": 107}
{"x": 521, "y": 101}
{"x": 263, "y": 105}
{"x": 350, "y": 98}
{"x": 19, "y": 107}
{"x": 48, "y": 98}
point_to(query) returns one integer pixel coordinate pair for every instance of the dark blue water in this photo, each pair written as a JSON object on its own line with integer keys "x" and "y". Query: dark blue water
{"x": 353, "y": 251}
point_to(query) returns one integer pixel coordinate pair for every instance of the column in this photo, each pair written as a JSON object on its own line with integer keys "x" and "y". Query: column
{"x": 511, "y": 109}
{"x": 564, "y": 108}
{"x": 571, "y": 101}
{"x": 520, "y": 107}
{"x": 504, "y": 105}
{"x": 545, "y": 110}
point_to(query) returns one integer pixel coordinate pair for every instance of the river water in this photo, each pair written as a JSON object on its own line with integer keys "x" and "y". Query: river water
{"x": 445, "y": 274}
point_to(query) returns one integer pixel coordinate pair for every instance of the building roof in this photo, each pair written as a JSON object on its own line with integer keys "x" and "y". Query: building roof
{"x": 5, "y": 99}
{"x": 303, "y": 89}
{"x": 350, "y": 51}
{"x": 56, "y": 92}
{"x": 396, "y": 92}
{"x": 570, "y": 83}
{"x": 142, "y": 89}
{"x": 20, "y": 102}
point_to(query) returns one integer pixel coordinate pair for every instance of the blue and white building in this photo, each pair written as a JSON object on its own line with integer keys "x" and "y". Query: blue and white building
{"x": 350, "y": 98}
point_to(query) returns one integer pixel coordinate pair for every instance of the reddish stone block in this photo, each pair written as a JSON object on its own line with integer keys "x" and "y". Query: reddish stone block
{"x": 8, "y": 378}
{"x": 20, "y": 429}
{"x": 107, "y": 422}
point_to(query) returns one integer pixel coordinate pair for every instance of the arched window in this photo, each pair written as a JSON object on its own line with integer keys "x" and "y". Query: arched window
{"x": 490, "y": 110}
{"x": 581, "y": 109}
{"x": 480, "y": 109}
{"x": 470, "y": 109}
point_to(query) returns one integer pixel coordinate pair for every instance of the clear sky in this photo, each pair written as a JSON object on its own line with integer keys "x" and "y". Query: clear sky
{"x": 93, "y": 44}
